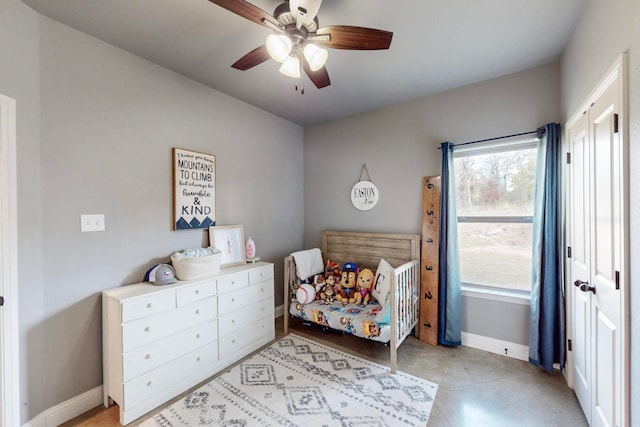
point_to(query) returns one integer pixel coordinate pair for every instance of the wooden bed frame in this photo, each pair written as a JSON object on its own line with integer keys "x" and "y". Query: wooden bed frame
{"x": 402, "y": 251}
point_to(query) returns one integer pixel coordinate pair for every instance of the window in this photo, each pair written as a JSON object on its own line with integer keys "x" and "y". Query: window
{"x": 495, "y": 188}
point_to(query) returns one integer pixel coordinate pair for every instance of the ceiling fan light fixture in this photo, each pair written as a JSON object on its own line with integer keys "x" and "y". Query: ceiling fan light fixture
{"x": 279, "y": 47}
{"x": 291, "y": 67}
{"x": 315, "y": 56}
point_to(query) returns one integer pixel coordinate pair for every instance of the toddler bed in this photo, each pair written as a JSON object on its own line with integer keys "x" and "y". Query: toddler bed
{"x": 394, "y": 261}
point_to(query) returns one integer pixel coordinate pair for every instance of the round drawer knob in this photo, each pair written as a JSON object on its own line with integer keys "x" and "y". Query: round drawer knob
{"x": 233, "y": 341}
{"x": 233, "y": 320}
{"x": 148, "y": 383}
{"x": 198, "y": 359}
{"x": 148, "y": 305}
{"x": 197, "y": 291}
{"x": 198, "y": 311}
{"x": 197, "y": 335}
{"x": 147, "y": 356}
{"x": 147, "y": 328}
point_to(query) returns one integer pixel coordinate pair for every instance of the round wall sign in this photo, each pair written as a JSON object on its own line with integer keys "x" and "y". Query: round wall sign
{"x": 364, "y": 195}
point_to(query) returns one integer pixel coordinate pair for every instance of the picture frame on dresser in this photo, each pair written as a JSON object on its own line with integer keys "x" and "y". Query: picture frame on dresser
{"x": 229, "y": 239}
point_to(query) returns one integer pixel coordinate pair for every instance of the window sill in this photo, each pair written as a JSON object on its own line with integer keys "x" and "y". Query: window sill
{"x": 503, "y": 295}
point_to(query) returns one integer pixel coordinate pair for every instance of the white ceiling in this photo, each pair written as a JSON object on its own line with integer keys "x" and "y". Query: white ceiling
{"x": 437, "y": 45}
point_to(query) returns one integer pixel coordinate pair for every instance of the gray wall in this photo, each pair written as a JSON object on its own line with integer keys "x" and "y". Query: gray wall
{"x": 95, "y": 131}
{"x": 605, "y": 30}
{"x": 399, "y": 146}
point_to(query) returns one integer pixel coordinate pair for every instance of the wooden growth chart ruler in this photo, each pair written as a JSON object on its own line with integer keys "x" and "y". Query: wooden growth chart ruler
{"x": 430, "y": 258}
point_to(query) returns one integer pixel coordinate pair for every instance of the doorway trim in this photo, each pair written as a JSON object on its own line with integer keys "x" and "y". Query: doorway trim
{"x": 9, "y": 333}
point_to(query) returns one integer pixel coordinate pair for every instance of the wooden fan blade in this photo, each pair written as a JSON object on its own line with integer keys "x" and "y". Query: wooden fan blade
{"x": 320, "y": 78}
{"x": 246, "y": 10}
{"x": 251, "y": 59}
{"x": 354, "y": 38}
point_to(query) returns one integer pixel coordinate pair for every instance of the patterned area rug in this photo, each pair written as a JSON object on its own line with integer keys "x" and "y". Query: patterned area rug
{"x": 298, "y": 382}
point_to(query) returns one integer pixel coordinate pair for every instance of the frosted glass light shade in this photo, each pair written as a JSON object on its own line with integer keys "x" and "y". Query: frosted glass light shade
{"x": 278, "y": 46}
{"x": 315, "y": 56}
{"x": 291, "y": 67}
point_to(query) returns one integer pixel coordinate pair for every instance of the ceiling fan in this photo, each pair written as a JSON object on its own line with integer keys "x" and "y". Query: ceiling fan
{"x": 297, "y": 38}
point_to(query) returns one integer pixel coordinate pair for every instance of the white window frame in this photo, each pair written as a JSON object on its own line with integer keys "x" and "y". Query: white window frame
{"x": 475, "y": 290}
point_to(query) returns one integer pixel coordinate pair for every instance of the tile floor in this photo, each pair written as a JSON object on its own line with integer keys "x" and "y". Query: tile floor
{"x": 475, "y": 388}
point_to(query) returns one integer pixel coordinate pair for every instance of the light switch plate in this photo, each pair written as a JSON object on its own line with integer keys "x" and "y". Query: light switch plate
{"x": 92, "y": 222}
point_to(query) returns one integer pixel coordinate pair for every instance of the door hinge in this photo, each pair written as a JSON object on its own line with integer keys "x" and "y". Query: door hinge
{"x": 568, "y": 158}
{"x": 570, "y": 345}
{"x": 568, "y": 251}
{"x": 615, "y": 123}
{"x": 1, "y": 301}
{"x": 617, "y": 280}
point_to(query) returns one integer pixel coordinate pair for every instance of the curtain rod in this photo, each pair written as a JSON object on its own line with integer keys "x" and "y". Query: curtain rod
{"x": 498, "y": 137}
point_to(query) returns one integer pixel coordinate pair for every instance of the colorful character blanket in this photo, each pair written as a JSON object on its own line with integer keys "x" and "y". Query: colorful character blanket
{"x": 350, "y": 318}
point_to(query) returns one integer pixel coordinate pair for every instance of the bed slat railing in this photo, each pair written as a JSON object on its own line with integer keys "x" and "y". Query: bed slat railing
{"x": 404, "y": 307}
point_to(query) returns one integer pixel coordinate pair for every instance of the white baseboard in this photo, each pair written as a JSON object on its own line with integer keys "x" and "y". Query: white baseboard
{"x": 67, "y": 410}
{"x": 279, "y": 312}
{"x": 492, "y": 345}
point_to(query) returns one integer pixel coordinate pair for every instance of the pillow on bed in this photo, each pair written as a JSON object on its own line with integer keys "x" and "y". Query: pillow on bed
{"x": 382, "y": 284}
{"x": 384, "y": 315}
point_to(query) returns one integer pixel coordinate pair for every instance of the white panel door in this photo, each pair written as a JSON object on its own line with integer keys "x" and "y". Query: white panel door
{"x": 9, "y": 370}
{"x": 606, "y": 252}
{"x": 580, "y": 261}
{"x": 597, "y": 221}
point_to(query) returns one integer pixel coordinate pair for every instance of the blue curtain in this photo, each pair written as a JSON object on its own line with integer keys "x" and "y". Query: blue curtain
{"x": 547, "y": 327}
{"x": 449, "y": 289}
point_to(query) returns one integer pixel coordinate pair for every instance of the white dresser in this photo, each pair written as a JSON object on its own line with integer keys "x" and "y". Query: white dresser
{"x": 159, "y": 341}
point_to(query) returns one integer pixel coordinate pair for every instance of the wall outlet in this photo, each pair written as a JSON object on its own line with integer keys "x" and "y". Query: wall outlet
{"x": 92, "y": 222}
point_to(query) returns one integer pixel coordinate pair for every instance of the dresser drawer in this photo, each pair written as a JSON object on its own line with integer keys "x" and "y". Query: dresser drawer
{"x": 155, "y": 381}
{"x": 147, "y": 305}
{"x": 261, "y": 290}
{"x": 245, "y": 336}
{"x": 232, "y": 301}
{"x": 187, "y": 294}
{"x": 232, "y": 282}
{"x": 143, "y": 359}
{"x": 146, "y": 330}
{"x": 261, "y": 274}
{"x": 230, "y": 323}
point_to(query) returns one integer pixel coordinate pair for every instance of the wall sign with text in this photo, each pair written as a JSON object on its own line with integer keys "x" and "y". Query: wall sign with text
{"x": 364, "y": 195}
{"x": 194, "y": 189}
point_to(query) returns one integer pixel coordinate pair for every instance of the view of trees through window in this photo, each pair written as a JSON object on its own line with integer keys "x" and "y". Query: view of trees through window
{"x": 495, "y": 192}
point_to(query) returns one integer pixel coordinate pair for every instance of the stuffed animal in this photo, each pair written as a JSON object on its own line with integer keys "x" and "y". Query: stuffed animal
{"x": 333, "y": 270}
{"x": 328, "y": 294}
{"x": 319, "y": 282}
{"x": 348, "y": 282}
{"x": 365, "y": 283}
{"x": 305, "y": 294}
